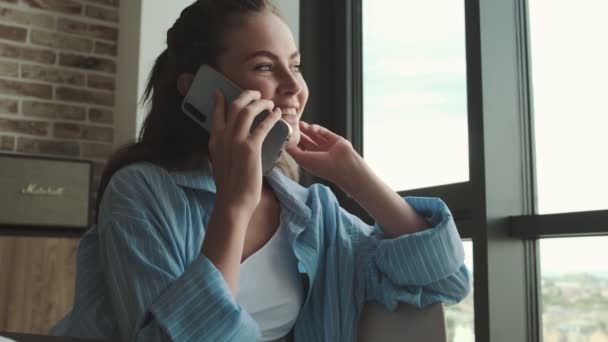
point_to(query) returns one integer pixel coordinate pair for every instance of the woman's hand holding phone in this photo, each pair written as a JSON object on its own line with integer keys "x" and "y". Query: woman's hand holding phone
{"x": 235, "y": 152}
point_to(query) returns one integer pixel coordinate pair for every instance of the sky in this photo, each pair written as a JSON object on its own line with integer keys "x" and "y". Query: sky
{"x": 415, "y": 107}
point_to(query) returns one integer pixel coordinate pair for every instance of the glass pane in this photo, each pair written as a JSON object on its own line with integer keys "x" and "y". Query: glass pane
{"x": 414, "y": 92}
{"x": 574, "y": 288}
{"x": 569, "y": 73}
{"x": 461, "y": 317}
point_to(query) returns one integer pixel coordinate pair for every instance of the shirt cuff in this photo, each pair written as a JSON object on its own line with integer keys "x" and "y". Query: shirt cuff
{"x": 426, "y": 256}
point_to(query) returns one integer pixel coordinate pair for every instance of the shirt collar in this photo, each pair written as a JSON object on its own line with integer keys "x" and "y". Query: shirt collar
{"x": 199, "y": 179}
{"x": 292, "y": 195}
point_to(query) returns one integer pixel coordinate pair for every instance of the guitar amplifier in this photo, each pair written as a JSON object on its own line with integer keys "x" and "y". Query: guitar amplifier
{"x": 44, "y": 192}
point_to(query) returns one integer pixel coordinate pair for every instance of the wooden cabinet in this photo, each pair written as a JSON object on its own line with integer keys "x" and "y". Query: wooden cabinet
{"x": 36, "y": 281}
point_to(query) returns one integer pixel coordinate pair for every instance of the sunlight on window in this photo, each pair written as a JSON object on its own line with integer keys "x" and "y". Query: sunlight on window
{"x": 574, "y": 289}
{"x": 415, "y": 92}
{"x": 460, "y": 318}
{"x": 569, "y": 73}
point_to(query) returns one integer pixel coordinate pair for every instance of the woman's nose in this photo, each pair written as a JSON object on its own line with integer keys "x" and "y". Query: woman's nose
{"x": 289, "y": 84}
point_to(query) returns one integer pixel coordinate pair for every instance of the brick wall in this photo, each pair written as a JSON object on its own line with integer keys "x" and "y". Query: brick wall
{"x": 57, "y": 78}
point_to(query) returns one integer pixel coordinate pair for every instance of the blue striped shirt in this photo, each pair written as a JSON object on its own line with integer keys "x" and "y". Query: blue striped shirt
{"x": 141, "y": 275}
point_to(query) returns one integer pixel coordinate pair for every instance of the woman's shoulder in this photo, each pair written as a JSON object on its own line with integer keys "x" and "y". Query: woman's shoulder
{"x": 140, "y": 171}
{"x": 144, "y": 198}
{"x": 144, "y": 177}
{"x": 141, "y": 184}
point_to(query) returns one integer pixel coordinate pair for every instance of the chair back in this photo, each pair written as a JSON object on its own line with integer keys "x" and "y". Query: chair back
{"x": 406, "y": 324}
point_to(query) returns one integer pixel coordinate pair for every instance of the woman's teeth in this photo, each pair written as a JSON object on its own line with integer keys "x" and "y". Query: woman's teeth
{"x": 289, "y": 111}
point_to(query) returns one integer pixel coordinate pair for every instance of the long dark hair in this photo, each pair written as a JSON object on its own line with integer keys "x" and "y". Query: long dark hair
{"x": 169, "y": 138}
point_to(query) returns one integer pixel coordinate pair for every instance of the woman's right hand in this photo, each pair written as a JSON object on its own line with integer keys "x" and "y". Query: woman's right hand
{"x": 236, "y": 153}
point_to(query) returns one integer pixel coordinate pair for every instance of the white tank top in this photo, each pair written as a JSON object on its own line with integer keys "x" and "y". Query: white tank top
{"x": 270, "y": 287}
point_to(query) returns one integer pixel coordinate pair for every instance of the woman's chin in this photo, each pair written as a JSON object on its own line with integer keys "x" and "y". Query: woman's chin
{"x": 294, "y": 140}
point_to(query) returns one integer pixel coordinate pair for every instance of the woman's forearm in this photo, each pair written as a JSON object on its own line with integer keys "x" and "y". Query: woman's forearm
{"x": 384, "y": 205}
{"x": 224, "y": 241}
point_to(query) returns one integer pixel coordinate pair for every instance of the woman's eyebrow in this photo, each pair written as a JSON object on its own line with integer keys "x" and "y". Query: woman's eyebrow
{"x": 270, "y": 55}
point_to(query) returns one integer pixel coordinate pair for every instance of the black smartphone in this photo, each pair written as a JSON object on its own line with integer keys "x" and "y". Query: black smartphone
{"x": 198, "y": 105}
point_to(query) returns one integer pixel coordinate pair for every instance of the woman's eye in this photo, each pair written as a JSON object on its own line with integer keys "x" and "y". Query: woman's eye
{"x": 297, "y": 67}
{"x": 263, "y": 67}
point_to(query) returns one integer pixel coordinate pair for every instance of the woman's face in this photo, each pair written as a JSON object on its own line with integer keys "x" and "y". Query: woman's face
{"x": 261, "y": 54}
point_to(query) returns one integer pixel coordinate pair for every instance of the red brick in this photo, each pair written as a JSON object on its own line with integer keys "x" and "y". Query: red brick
{"x": 10, "y": 51}
{"x": 100, "y": 82}
{"x": 53, "y": 110}
{"x": 88, "y": 30}
{"x": 67, "y": 130}
{"x": 103, "y": 32}
{"x": 27, "y": 18}
{"x": 9, "y": 106}
{"x": 101, "y": 115}
{"x": 61, "y": 6}
{"x": 96, "y": 151}
{"x": 54, "y": 75}
{"x": 7, "y": 143}
{"x": 31, "y": 54}
{"x": 72, "y": 26}
{"x": 38, "y": 55}
{"x": 76, "y": 131}
{"x": 39, "y": 146}
{"x": 25, "y": 89}
{"x": 9, "y": 69}
{"x": 96, "y": 133}
{"x": 24, "y": 127}
{"x": 61, "y": 41}
{"x": 102, "y": 48}
{"x": 84, "y": 96}
{"x": 101, "y": 13}
{"x": 17, "y": 34}
{"x": 87, "y": 62}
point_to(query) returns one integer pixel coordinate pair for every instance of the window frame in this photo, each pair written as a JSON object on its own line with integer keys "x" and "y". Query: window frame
{"x": 496, "y": 208}
{"x": 331, "y": 44}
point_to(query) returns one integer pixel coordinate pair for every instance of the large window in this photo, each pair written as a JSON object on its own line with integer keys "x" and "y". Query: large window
{"x": 415, "y": 128}
{"x": 415, "y": 92}
{"x": 570, "y": 72}
{"x": 507, "y": 100}
{"x": 574, "y": 289}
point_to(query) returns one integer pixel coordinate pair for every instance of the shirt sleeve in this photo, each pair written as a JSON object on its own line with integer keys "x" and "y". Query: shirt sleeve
{"x": 156, "y": 293}
{"x": 419, "y": 268}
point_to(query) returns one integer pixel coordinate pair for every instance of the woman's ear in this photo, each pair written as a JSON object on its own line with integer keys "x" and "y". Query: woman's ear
{"x": 183, "y": 83}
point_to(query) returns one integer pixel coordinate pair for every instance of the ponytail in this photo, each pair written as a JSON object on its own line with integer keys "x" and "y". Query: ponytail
{"x": 138, "y": 151}
{"x": 160, "y": 66}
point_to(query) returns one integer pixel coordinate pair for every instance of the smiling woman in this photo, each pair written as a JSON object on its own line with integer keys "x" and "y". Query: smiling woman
{"x": 185, "y": 212}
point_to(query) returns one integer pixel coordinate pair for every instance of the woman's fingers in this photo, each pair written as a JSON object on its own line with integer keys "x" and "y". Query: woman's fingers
{"x": 242, "y": 101}
{"x": 320, "y": 134}
{"x": 306, "y": 143}
{"x": 219, "y": 117}
{"x": 261, "y": 131}
{"x": 219, "y": 122}
{"x": 242, "y": 126}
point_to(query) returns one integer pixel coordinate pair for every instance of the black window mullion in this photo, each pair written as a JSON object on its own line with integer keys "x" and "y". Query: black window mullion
{"x": 586, "y": 223}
